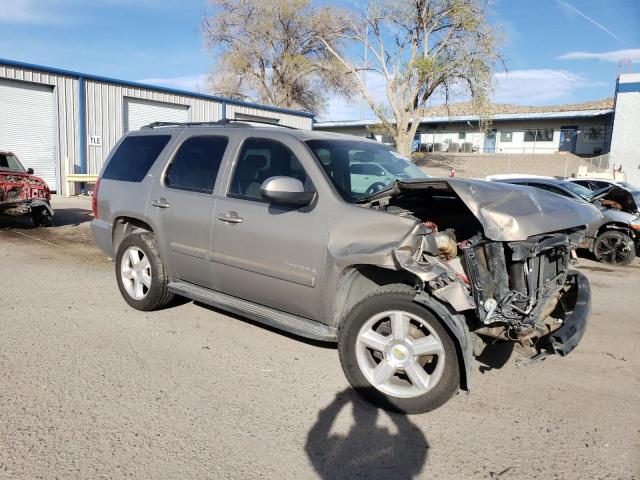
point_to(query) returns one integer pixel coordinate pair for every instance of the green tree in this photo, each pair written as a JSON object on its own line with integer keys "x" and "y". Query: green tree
{"x": 268, "y": 51}
{"x": 421, "y": 48}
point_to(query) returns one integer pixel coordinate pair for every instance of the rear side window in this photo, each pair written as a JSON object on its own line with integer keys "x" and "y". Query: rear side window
{"x": 134, "y": 157}
{"x": 196, "y": 164}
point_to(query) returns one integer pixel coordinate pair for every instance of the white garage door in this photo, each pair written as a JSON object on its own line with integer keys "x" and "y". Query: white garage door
{"x": 138, "y": 113}
{"x": 27, "y": 127}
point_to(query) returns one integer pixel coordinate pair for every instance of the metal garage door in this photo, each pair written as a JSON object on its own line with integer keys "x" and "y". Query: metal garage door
{"x": 27, "y": 127}
{"x": 138, "y": 113}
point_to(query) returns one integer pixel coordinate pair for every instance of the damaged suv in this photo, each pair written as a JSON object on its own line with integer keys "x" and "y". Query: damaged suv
{"x": 22, "y": 193}
{"x": 409, "y": 276}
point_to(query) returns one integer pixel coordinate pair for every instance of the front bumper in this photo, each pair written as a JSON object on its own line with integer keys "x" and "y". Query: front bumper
{"x": 577, "y": 306}
{"x": 25, "y": 207}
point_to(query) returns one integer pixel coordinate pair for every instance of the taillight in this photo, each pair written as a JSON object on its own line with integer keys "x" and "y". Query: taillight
{"x": 94, "y": 199}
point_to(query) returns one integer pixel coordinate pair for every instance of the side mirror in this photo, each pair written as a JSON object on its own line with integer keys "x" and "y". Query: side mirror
{"x": 30, "y": 171}
{"x": 286, "y": 190}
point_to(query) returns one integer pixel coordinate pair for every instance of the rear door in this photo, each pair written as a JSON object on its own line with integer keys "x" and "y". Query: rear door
{"x": 182, "y": 202}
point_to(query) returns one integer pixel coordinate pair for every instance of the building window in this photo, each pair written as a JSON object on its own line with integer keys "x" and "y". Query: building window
{"x": 462, "y": 135}
{"x": 506, "y": 136}
{"x": 538, "y": 135}
{"x": 593, "y": 134}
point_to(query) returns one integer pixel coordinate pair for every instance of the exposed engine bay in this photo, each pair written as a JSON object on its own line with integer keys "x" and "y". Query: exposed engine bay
{"x": 509, "y": 288}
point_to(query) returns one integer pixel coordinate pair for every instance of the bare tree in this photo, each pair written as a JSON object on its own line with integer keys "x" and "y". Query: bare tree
{"x": 268, "y": 51}
{"x": 421, "y": 48}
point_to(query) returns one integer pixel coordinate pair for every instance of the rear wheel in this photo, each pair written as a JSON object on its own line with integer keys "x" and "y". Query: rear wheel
{"x": 614, "y": 248}
{"x": 397, "y": 354}
{"x": 141, "y": 275}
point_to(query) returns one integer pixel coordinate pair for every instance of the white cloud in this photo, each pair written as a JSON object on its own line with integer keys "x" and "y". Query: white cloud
{"x": 27, "y": 11}
{"x": 195, "y": 83}
{"x": 340, "y": 109}
{"x": 615, "y": 56}
{"x": 530, "y": 87}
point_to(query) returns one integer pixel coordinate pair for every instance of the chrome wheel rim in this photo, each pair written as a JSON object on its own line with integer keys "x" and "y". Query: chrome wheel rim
{"x": 400, "y": 354}
{"x": 135, "y": 273}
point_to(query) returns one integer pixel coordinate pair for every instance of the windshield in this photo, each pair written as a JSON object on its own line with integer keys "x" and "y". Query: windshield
{"x": 358, "y": 169}
{"x": 10, "y": 162}
{"x": 629, "y": 186}
{"x": 582, "y": 192}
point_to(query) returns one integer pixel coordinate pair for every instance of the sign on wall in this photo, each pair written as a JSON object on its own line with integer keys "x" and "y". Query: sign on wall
{"x": 95, "y": 141}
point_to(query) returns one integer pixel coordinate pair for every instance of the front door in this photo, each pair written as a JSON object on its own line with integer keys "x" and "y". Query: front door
{"x": 269, "y": 254}
{"x": 568, "y": 137}
{"x": 181, "y": 206}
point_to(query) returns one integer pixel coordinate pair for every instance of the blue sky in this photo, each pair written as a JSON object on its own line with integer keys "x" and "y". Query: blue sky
{"x": 557, "y": 51}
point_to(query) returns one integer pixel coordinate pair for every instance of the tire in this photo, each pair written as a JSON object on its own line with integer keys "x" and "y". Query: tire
{"x": 42, "y": 218}
{"x": 156, "y": 294}
{"x": 614, "y": 248}
{"x": 401, "y": 393}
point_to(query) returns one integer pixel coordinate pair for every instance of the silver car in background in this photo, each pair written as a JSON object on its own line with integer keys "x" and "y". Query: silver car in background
{"x": 614, "y": 238}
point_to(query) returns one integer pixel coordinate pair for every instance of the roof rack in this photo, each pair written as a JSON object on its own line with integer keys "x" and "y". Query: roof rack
{"x": 219, "y": 123}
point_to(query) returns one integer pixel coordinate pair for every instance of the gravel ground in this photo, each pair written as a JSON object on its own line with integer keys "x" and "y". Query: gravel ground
{"x": 90, "y": 388}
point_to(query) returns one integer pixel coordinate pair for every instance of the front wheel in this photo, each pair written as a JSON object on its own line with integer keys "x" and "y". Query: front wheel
{"x": 397, "y": 354}
{"x": 614, "y": 248}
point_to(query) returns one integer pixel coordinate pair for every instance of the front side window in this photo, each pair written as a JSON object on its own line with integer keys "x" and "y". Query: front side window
{"x": 195, "y": 165}
{"x": 343, "y": 160}
{"x": 134, "y": 157}
{"x": 259, "y": 159}
{"x": 506, "y": 136}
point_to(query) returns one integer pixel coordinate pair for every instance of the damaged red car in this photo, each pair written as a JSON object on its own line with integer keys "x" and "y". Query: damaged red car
{"x": 22, "y": 193}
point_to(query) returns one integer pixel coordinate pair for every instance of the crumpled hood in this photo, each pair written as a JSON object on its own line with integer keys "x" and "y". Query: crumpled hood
{"x": 621, "y": 196}
{"x": 507, "y": 212}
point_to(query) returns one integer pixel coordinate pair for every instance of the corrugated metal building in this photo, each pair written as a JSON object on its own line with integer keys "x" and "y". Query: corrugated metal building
{"x": 61, "y": 122}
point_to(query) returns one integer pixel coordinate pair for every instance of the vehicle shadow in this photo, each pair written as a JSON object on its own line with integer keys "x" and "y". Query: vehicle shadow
{"x": 367, "y": 450}
{"x": 63, "y": 217}
{"x": 495, "y": 356}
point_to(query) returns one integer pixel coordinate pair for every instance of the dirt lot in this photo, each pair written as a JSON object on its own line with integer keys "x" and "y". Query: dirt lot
{"x": 90, "y": 388}
{"x": 479, "y": 165}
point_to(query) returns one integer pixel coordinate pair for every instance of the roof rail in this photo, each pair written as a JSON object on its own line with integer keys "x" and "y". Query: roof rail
{"x": 219, "y": 123}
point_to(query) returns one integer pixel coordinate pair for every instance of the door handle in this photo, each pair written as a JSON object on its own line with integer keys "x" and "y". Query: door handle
{"x": 230, "y": 217}
{"x": 160, "y": 203}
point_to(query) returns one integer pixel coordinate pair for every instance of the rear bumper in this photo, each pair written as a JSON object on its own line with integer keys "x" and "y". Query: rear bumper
{"x": 102, "y": 233}
{"x": 577, "y": 302}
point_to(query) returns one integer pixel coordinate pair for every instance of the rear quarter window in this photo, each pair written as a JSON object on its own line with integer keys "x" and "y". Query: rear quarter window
{"x": 134, "y": 157}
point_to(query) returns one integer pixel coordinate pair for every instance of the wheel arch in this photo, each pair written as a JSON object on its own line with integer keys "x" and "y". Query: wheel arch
{"x": 359, "y": 281}
{"x": 126, "y": 225}
{"x": 614, "y": 226}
